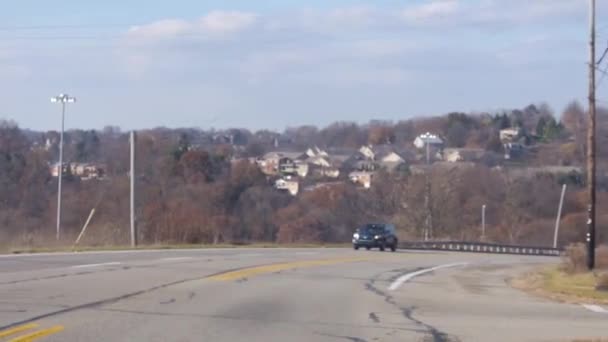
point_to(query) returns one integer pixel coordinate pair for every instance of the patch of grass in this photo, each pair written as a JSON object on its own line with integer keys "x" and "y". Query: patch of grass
{"x": 556, "y": 284}
{"x": 580, "y": 285}
{"x": 25, "y": 250}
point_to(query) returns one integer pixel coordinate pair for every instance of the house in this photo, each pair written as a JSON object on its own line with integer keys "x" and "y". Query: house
{"x": 427, "y": 138}
{"x": 316, "y": 152}
{"x": 85, "y": 171}
{"x": 367, "y": 152}
{"x": 269, "y": 163}
{"x": 54, "y": 169}
{"x": 288, "y": 166}
{"x": 454, "y": 155}
{"x": 388, "y": 159}
{"x": 288, "y": 184}
{"x": 363, "y": 178}
{"x": 510, "y": 134}
{"x": 371, "y": 158}
{"x": 330, "y": 172}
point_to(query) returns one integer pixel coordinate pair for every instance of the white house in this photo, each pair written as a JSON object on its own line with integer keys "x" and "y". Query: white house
{"x": 427, "y": 138}
{"x": 287, "y": 184}
{"x": 319, "y": 161}
{"x": 363, "y": 178}
{"x": 509, "y": 134}
{"x": 367, "y": 152}
{"x": 316, "y": 152}
{"x": 454, "y": 155}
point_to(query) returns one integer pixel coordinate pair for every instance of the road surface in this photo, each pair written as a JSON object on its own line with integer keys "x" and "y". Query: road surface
{"x": 280, "y": 295}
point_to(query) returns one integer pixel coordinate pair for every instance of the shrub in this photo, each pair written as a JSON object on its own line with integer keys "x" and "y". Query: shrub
{"x": 601, "y": 257}
{"x": 602, "y": 282}
{"x": 575, "y": 258}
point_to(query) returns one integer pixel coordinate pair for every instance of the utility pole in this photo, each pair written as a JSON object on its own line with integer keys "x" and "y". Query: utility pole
{"x": 132, "y": 200}
{"x": 63, "y": 99}
{"x": 559, "y": 216}
{"x": 591, "y": 143}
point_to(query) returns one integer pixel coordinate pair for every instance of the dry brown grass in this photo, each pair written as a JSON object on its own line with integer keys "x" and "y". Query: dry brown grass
{"x": 555, "y": 284}
{"x": 602, "y": 282}
{"x": 601, "y": 257}
{"x": 575, "y": 259}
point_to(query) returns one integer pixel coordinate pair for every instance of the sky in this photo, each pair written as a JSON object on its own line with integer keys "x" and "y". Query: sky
{"x": 280, "y": 63}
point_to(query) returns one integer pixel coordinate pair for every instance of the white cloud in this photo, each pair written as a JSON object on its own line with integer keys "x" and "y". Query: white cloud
{"x": 215, "y": 24}
{"x": 222, "y": 22}
{"x": 431, "y": 11}
{"x": 459, "y": 13}
{"x": 161, "y": 29}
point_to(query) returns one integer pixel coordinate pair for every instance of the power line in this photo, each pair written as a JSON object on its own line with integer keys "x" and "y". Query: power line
{"x": 603, "y": 72}
{"x": 602, "y": 58}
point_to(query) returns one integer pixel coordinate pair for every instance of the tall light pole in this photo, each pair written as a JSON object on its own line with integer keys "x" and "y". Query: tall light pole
{"x": 591, "y": 143}
{"x": 63, "y": 99}
{"x": 132, "y": 197}
{"x": 483, "y": 222}
{"x": 428, "y": 231}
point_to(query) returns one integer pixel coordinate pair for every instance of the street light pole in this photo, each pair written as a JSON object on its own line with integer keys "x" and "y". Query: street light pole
{"x": 483, "y": 222}
{"x": 63, "y": 99}
{"x": 591, "y": 171}
{"x": 428, "y": 231}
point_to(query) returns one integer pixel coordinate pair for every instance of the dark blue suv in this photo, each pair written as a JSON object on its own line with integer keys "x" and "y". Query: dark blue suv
{"x": 374, "y": 235}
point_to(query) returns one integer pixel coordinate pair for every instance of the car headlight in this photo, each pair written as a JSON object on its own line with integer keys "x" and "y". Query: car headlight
{"x": 356, "y": 235}
{"x": 377, "y": 237}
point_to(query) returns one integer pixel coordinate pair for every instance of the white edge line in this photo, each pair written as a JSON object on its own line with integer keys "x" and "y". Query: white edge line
{"x": 96, "y": 265}
{"x": 409, "y": 276}
{"x": 595, "y": 308}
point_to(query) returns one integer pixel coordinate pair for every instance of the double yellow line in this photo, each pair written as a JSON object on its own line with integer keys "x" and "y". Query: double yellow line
{"x": 32, "y": 336}
{"x": 257, "y": 270}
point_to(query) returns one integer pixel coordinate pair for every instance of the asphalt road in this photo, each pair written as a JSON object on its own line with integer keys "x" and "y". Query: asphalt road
{"x": 279, "y": 295}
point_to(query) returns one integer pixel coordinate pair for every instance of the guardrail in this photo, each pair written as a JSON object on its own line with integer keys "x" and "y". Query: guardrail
{"x": 479, "y": 247}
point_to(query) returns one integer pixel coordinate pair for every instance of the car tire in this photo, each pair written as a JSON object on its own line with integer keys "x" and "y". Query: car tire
{"x": 368, "y": 247}
{"x": 356, "y": 247}
{"x": 381, "y": 248}
{"x": 393, "y": 248}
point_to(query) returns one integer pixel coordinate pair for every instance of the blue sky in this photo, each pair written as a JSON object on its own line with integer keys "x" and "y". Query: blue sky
{"x": 279, "y": 63}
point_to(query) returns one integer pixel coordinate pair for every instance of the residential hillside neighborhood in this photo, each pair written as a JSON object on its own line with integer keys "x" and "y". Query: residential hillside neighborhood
{"x": 291, "y": 168}
{"x": 310, "y": 184}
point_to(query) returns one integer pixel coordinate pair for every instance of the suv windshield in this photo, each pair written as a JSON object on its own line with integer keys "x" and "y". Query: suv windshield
{"x": 373, "y": 229}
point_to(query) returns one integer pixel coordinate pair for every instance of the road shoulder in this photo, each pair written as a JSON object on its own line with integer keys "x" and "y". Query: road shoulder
{"x": 553, "y": 284}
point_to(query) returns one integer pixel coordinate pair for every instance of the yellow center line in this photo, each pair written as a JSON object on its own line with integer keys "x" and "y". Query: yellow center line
{"x": 38, "y": 334}
{"x": 253, "y": 271}
{"x": 17, "y": 329}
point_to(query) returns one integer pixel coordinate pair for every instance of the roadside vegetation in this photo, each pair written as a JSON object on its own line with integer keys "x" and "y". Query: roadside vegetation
{"x": 570, "y": 281}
